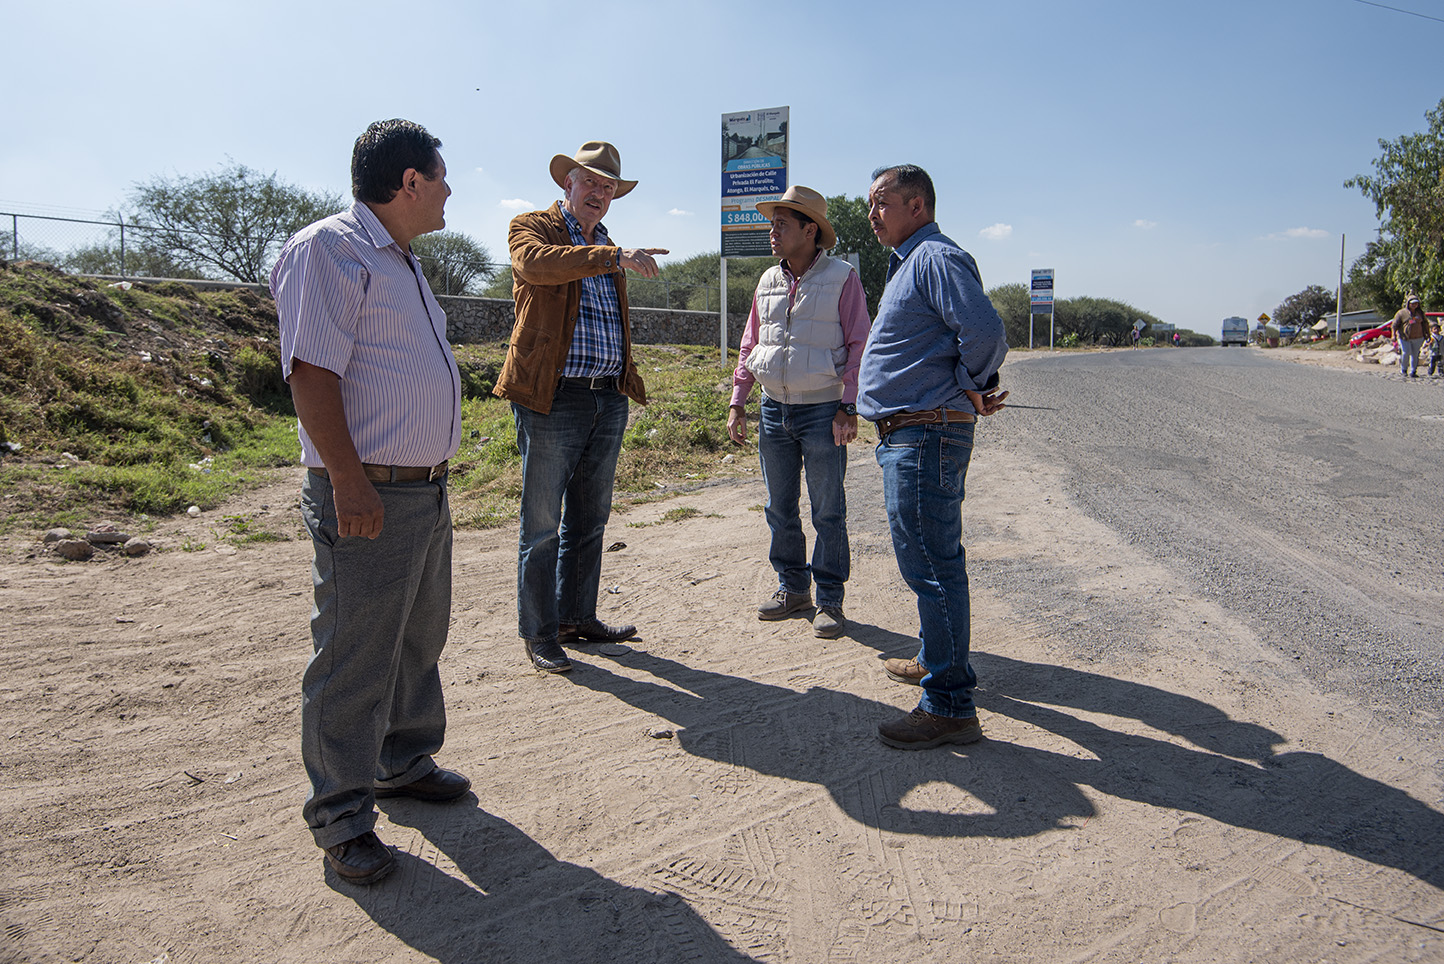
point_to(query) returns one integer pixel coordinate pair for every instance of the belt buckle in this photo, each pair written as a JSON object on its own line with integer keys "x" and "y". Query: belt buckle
{"x": 436, "y": 472}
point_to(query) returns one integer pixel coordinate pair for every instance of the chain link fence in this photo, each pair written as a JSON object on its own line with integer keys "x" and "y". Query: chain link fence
{"x": 127, "y": 251}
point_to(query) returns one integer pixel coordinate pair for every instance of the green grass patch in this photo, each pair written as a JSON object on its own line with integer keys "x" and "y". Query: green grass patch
{"x": 680, "y": 436}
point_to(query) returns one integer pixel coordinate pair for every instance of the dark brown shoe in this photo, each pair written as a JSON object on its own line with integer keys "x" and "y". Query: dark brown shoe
{"x": 920, "y": 730}
{"x": 361, "y": 860}
{"x": 594, "y": 631}
{"x": 437, "y": 786}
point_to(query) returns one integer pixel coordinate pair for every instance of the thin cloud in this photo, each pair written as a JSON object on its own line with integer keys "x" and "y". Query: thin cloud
{"x": 481, "y": 170}
{"x": 1145, "y": 224}
{"x": 996, "y": 232}
{"x": 1310, "y": 234}
{"x": 517, "y": 204}
{"x": 679, "y": 213}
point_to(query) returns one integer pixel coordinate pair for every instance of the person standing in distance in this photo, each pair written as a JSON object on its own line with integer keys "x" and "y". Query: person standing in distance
{"x": 929, "y": 370}
{"x": 1411, "y": 327}
{"x": 378, "y": 397}
{"x": 803, "y": 343}
{"x": 568, "y": 374}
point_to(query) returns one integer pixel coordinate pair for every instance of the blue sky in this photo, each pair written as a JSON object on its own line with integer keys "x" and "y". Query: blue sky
{"x": 1186, "y": 157}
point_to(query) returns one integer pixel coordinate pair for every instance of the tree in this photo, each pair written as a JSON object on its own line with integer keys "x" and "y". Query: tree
{"x": 454, "y": 263}
{"x": 1369, "y": 281}
{"x": 1407, "y": 188}
{"x": 229, "y": 223}
{"x": 500, "y": 284}
{"x": 694, "y": 282}
{"x": 1308, "y": 306}
{"x": 30, "y": 251}
{"x": 141, "y": 260}
{"x": 1011, "y": 302}
{"x": 1089, "y": 321}
{"x": 854, "y": 236}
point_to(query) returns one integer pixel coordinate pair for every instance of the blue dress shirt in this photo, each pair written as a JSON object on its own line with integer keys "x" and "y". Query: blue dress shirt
{"x": 936, "y": 332}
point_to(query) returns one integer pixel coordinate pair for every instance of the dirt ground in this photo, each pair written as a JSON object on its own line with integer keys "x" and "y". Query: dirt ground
{"x": 714, "y": 794}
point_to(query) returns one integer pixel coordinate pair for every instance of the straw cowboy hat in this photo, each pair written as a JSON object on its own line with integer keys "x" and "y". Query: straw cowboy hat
{"x": 599, "y": 157}
{"x": 810, "y": 203}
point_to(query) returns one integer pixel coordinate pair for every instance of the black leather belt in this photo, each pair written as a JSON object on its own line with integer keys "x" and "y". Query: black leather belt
{"x": 597, "y": 383}
{"x": 933, "y": 416}
{"x": 395, "y": 473}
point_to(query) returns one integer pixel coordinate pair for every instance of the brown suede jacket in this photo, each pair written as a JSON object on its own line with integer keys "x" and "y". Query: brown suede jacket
{"x": 547, "y": 271}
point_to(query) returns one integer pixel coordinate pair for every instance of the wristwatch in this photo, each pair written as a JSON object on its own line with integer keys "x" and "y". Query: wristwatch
{"x": 847, "y": 408}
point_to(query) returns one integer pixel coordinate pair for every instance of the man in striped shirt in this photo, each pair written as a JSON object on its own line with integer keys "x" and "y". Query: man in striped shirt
{"x": 568, "y": 374}
{"x": 376, "y": 389}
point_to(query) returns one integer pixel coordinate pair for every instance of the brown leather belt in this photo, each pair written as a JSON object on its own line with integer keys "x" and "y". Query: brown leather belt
{"x": 395, "y": 473}
{"x": 933, "y": 416}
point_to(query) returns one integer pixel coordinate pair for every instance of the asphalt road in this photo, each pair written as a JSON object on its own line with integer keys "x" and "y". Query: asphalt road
{"x": 1303, "y": 499}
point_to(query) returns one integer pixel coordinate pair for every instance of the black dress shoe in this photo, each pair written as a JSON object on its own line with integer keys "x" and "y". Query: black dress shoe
{"x": 361, "y": 860}
{"x": 549, "y": 657}
{"x": 595, "y": 631}
{"x": 436, "y": 786}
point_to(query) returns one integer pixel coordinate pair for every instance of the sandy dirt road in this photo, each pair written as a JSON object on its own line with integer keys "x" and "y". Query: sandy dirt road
{"x": 717, "y": 793}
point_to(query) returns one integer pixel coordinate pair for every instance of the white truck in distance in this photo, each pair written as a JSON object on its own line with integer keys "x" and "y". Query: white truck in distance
{"x": 1235, "y": 331}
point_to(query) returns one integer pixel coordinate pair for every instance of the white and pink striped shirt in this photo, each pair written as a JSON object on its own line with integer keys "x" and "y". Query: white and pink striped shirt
{"x": 352, "y": 302}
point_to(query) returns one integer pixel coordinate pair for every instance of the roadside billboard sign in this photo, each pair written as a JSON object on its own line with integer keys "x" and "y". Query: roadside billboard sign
{"x": 1040, "y": 292}
{"x": 754, "y": 168}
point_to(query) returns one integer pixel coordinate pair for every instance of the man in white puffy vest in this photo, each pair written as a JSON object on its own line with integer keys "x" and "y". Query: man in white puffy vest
{"x": 803, "y": 344}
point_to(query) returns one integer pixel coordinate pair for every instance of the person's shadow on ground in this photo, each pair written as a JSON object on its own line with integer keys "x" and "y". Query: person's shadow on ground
{"x": 515, "y": 903}
{"x": 827, "y": 737}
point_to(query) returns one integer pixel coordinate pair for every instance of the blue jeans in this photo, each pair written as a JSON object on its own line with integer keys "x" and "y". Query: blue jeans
{"x": 791, "y": 438}
{"x": 1409, "y": 355}
{"x": 923, "y": 468}
{"x": 568, "y": 465}
{"x": 371, "y": 710}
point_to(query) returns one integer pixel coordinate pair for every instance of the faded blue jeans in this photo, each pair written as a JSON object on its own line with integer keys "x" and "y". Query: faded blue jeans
{"x": 568, "y": 465}
{"x": 923, "y": 468}
{"x": 1409, "y": 355}
{"x": 791, "y": 439}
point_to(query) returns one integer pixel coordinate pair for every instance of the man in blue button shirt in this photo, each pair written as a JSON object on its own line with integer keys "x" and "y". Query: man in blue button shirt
{"x": 929, "y": 369}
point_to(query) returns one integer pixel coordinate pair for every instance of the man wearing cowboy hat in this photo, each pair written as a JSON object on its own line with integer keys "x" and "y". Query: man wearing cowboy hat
{"x": 568, "y": 374}
{"x": 803, "y": 343}
{"x": 1411, "y": 327}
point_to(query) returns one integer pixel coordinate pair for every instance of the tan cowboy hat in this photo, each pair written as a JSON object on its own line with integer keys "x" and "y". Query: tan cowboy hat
{"x": 810, "y": 203}
{"x": 599, "y": 157}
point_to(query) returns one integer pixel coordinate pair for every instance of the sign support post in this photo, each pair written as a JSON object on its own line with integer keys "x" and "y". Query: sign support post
{"x": 722, "y": 313}
{"x": 1040, "y": 299}
{"x": 1339, "y": 303}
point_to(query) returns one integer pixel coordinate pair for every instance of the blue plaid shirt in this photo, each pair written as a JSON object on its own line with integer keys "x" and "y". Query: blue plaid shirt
{"x": 597, "y": 340}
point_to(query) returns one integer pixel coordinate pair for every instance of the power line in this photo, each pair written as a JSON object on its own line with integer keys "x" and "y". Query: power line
{"x": 1411, "y": 13}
